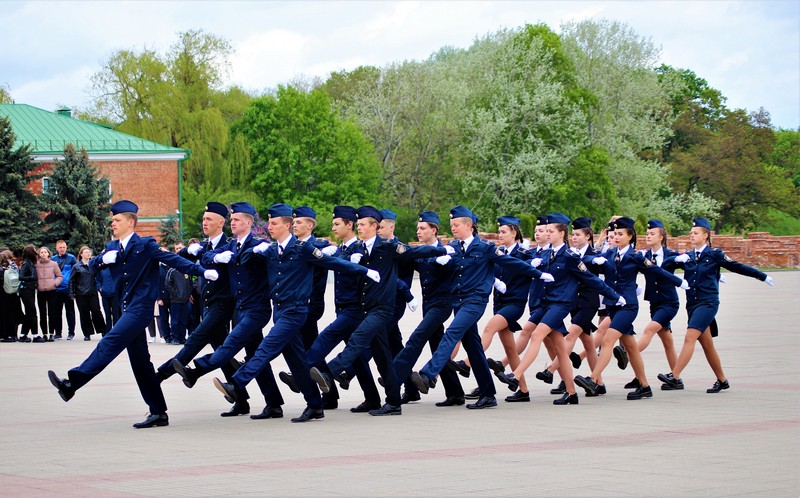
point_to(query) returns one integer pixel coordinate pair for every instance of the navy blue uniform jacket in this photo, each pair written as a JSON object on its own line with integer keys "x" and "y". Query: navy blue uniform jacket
{"x": 703, "y": 274}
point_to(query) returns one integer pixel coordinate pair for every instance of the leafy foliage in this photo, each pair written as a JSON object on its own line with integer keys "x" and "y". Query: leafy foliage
{"x": 20, "y": 221}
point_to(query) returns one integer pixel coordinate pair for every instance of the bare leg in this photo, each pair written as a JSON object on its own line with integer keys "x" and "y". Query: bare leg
{"x": 669, "y": 347}
{"x": 507, "y": 340}
{"x": 542, "y": 331}
{"x": 707, "y": 342}
{"x": 574, "y": 332}
{"x": 629, "y": 343}
{"x": 610, "y": 338}
{"x": 496, "y": 324}
{"x": 686, "y": 351}
{"x": 649, "y": 331}
{"x": 590, "y": 353}
{"x": 565, "y": 370}
{"x": 523, "y": 339}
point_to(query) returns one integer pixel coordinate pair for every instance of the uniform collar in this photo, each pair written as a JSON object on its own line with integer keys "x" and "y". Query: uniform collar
{"x": 624, "y": 250}
{"x": 216, "y": 240}
{"x": 702, "y": 248}
{"x": 556, "y": 249}
{"x": 369, "y": 243}
{"x": 468, "y": 241}
{"x": 124, "y": 242}
{"x": 350, "y": 242}
{"x": 583, "y": 250}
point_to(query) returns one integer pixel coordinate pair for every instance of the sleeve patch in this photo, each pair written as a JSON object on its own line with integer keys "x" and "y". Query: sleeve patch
{"x": 582, "y": 266}
{"x": 499, "y": 252}
{"x": 647, "y": 262}
{"x": 728, "y": 259}
{"x": 318, "y": 254}
{"x": 401, "y": 248}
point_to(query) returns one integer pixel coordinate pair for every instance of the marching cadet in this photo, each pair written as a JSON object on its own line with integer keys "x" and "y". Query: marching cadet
{"x": 377, "y": 306}
{"x": 133, "y": 262}
{"x": 472, "y": 263}
{"x": 305, "y": 220}
{"x": 290, "y": 275}
{"x": 620, "y": 266}
{"x": 248, "y": 282}
{"x": 216, "y": 302}
{"x": 702, "y": 266}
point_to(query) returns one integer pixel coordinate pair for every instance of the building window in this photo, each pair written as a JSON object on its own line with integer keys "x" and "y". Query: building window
{"x": 45, "y": 185}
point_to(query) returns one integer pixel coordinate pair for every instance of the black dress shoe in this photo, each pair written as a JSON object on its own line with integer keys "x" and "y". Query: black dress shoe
{"x": 718, "y": 386}
{"x": 236, "y": 364}
{"x": 322, "y": 379}
{"x": 561, "y": 388}
{"x": 575, "y": 358}
{"x": 310, "y": 414}
{"x": 422, "y": 382}
{"x": 495, "y": 366}
{"x": 670, "y": 383}
{"x": 641, "y": 392}
{"x": 483, "y": 402}
{"x": 409, "y": 397}
{"x": 545, "y": 376}
{"x": 459, "y": 366}
{"x": 8, "y": 339}
{"x": 601, "y": 389}
{"x": 567, "y": 399}
{"x": 287, "y": 379}
{"x": 365, "y": 407}
{"x": 189, "y": 375}
{"x": 39, "y": 338}
{"x": 587, "y": 384}
{"x": 153, "y": 420}
{"x": 519, "y": 397}
{"x": 386, "y": 409}
{"x": 226, "y": 389}
{"x": 452, "y": 401}
{"x": 87, "y": 338}
{"x": 70, "y": 337}
{"x": 24, "y": 338}
{"x": 51, "y": 338}
{"x": 238, "y": 408}
{"x": 633, "y": 384}
{"x": 622, "y": 357}
{"x": 474, "y": 394}
{"x": 330, "y": 404}
{"x": 344, "y": 380}
{"x": 64, "y": 386}
{"x": 268, "y": 412}
{"x": 509, "y": 380}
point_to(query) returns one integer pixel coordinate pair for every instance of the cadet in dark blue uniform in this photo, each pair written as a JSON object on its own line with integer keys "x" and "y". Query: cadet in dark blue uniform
{"x": 133, "y": 262}
{"x": 377, "y": 306}
{"x": 248, "y": 282}
{"x": 216, "y": 304}
{"x": 558, "y": 299}
{"x": 305, "y": 220}
{"x": 290, "y": 275}
{"x": 701, "y": 267}
{"x": 436, "y": 283}
{"x": 472, "y": 264}
{"x": 620, "y": 266}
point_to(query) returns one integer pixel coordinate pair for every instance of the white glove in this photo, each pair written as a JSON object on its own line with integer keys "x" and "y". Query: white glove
{"x": 536, "y": 262}
{"x": 684, "y": 284}
{"x": 769, "y": 281}
{"x": 210, "y": 275}
{"x": 449, "y": 249}
{"x": 621, "y": 301}
{"x": 500, "y": 286}
{"x": 374, "y": 275}
{"x": 329, "y": 250}
{"x": 639, "y": 290}
{"x": 260, "y": 248}
{"x": 413, "y": 305}
{"x": 682, "y": 258}
{"x": 546, "y": 277}
{"x": 525, "y": 244}
{"x": 443, "y": 260}
{"x": 600, "y": 260}
{"x": 110, "y": 257}
{"x": 722, "y": 279}
{"x": 194, "y": 249}
{"x": 356, "y": 257}
{"x": 223, "y": 257}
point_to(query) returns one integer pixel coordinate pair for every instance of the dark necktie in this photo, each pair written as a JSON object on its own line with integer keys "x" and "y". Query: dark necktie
{"x": 697, "y": 255}
{"x": 121, "y": 251}
{"x": 238, "y": 246}
{"x": 655, "y": 259}
{"x": 280, "y": 250}
{"x": 463, "y": 246}
{"x": 617, "y": 258}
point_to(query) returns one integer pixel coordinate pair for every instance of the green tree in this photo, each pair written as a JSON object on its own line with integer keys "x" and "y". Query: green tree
{"x": 170, "y": 230}
{"x": 5, "y": 95}
{"x": 20, "y": 212}
{"x": 77, "y": 202}
{"x": 786, "y": 153}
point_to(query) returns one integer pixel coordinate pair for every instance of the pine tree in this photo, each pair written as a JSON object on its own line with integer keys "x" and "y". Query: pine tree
{"x": 77, "y": 201}
{"x": 171, "y": 232}
{"x": 20, "y": 215}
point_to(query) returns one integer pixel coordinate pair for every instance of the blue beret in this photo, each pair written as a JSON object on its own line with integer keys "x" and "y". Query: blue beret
{"x": 701, "y": 222}
{"x": 124, "y": 207}
{"x": 369, "y": 212}
{"x": 558, "y": 218}
{"x": 217, "y": 208}
{"x": 582, "y": 222}
{"x": 541, "y": 220}
{"x": 507, "y": 220}
{"x": 345, "y": 213}
{"x": 243, "y": 207}
{"x": 654, "y": 224}
{"x": 428, "y": 217}
{"x": 623, "y": 222}
{"x": 463, "y": 212}
{"x": 388, "y": 214}
{"x": 277, "y": 210}
{"x": 304, "y": 212}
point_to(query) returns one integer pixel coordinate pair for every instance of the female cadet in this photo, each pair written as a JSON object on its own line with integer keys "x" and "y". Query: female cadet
{"x": 510, "y": 296}
{"x": 662, "y": 295}
{"x": 558, "y": 299}
{"x": 621, "y": 265}
{"x": 701, "y": 266}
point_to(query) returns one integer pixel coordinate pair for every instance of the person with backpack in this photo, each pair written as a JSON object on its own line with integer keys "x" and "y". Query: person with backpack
{"x": 27, "y": 294}
{"x": 10, "y": 310}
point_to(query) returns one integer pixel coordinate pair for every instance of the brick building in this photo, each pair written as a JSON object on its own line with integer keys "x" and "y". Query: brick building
{"x": 140, "y": 170}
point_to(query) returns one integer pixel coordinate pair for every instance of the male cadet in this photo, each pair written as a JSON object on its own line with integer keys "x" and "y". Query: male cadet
{"x": 133, "y": 262}
{"x": 216, "y": 302}
{"x": 377, "y": 306}
{"x": 472, "y": 264}
{"x": 348, "y": 317}
{"x": 290, "y": 275}
{"x": 65, "y": 262}
{"x": 248, "y": 282}
{"x": 305, "y": 220}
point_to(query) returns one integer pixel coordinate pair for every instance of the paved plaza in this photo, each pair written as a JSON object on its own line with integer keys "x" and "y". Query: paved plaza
{"x": 742, "y": 442}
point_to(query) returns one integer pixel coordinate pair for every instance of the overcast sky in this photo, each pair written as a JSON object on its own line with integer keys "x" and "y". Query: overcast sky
{"x": 749, "y": 50}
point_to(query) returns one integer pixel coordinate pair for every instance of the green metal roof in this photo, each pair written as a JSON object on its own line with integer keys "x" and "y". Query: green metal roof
{"x": 49, "y": 133}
